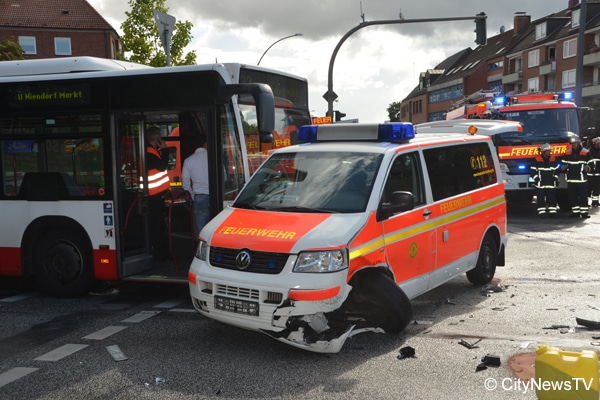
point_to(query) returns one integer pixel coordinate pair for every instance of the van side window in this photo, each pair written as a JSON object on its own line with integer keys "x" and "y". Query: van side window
{"x": 458, "y": 169}
{"x": 405, "y": 175}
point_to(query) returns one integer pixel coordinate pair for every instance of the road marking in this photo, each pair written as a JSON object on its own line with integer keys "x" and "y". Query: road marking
{"x": 141, "y": 316}
{"x": 61, "y": 352}
{"x": 169, "y": 304}
{"x": 14, "y": 374}
{"x": 116, "y": 353}
{"x": 18, "y": 297}
{"x": 105, "y": 332}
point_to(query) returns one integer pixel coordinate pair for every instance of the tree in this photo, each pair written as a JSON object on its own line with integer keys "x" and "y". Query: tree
{"x": 141, "y": 38}
{"x": 394, "y": 111}
{"x": 10, "y": 49}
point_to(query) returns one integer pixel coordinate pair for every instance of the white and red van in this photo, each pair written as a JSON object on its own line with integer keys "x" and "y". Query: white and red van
{"x": 335, "y": 236}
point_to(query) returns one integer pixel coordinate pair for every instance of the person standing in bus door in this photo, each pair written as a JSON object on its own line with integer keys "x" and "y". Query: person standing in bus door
{"x": 575, "y": 167}
{"x": 594, "y": 174}
{"x": 545, "y": 177}
{"x": 194, "y": 176}
{"x": 157, "y": 162}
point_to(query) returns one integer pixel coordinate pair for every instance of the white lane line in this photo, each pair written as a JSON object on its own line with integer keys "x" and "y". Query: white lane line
{"x": 61, "y": 352}
{"x": 116, "y": 353}
{"x": 141, "y": 316}
{"x": 169, "y": 304}
{"x": 13, "y": 374}
{"x": 104, "y": 332}
{"x": 18, "y": 297}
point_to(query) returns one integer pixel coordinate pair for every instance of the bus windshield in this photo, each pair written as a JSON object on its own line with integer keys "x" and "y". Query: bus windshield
{"x": 332, "y": 182}
{"x": 554, "y": 125}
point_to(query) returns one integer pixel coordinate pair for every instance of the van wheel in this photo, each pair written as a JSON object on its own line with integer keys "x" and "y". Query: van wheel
{"x": 63, "y": 264}
{"x": 383, "y": 303}
{"x": 486, "y": 263}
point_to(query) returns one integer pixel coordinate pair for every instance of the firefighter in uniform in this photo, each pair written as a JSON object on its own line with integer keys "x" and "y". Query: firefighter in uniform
{"x": 157, "y": 158}
{"x": 545, "y": 177}
{"x": 594, "y": 172}
{"x": 575, "y": 167}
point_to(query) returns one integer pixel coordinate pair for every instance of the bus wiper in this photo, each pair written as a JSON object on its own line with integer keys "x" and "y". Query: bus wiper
{"x": 304, "y": 209}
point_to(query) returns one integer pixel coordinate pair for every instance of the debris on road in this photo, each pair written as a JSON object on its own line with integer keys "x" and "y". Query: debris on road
{"x": 469, "y": 345}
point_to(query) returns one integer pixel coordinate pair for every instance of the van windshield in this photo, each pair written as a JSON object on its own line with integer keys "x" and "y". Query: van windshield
{"x": 330, "y": 182}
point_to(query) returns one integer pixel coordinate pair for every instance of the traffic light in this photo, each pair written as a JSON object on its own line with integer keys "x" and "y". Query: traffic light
{"x": 339, "y": 116}
{"x": 480, "y": 29}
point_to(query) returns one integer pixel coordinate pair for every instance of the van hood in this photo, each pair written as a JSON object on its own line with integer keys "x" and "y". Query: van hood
{"x": 282, "y": 232}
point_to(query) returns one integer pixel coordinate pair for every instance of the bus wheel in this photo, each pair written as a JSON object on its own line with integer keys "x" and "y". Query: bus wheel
{"x": 63, "y": 264}
{"x": 383, "y": 303}
{"x": 486, "y": 262}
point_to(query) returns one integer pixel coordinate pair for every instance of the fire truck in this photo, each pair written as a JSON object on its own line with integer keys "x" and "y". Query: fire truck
{"x": 546, "y": 118}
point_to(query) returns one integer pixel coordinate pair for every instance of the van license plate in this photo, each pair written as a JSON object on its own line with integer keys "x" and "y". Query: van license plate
{"x": 236, "y": 306}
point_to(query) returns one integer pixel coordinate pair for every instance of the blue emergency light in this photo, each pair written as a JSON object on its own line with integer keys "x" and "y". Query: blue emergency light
{"x": 500, "y": 101}
{"x": 565, "y": 96}
{"x": 396, "y": 132}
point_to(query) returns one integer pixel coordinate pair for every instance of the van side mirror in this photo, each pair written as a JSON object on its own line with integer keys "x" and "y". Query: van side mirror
{"x": 400, "y": 202}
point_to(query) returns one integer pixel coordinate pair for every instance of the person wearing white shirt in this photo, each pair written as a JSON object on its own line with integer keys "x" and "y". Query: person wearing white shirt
{"x": 195, "y": 180}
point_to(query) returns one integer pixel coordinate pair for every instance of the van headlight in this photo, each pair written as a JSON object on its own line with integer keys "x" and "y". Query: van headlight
{"x": 321, "y": 261}
{"x": 202, "y": 250}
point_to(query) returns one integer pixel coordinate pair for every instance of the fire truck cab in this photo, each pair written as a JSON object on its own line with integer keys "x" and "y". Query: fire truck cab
{"x": 336, "y": 235}
{"x": 545, "y": 118}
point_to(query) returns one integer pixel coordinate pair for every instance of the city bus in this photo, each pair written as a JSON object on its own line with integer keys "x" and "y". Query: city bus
{"x": 73, "y": 162}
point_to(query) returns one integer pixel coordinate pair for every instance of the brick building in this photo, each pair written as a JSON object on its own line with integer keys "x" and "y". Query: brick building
{"x": 539, "y": 55}
{"x": 55, "y": 28}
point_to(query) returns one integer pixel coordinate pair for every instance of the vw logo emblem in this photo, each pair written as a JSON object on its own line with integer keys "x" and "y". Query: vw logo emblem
{"x": 243, "y": 260}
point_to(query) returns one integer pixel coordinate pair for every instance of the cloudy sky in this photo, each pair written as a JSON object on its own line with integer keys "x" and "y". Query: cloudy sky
{"x": 376, "y": 66}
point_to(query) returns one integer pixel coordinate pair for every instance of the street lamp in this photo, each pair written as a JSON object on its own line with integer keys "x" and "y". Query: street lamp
{"x": 274, "y": 43}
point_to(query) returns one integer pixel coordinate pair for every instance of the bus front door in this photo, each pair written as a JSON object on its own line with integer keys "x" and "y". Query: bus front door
{"x": 132, "y": 199}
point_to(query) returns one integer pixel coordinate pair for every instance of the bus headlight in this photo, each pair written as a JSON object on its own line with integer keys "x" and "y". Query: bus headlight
{"x": 321, "y": 261}
{"x": 202, "y": 250}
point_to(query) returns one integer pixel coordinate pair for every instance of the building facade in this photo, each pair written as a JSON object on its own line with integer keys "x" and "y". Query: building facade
{"x": 541, "y": 55}
{"x": 58, "y": 28}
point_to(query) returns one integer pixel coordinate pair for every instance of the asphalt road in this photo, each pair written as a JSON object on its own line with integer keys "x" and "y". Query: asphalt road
{"x": 161, "y": 349}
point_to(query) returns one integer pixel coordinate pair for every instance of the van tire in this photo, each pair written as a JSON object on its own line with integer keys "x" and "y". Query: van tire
{"x": 63, "y": 263}
{"x": 384, "y": 305}
{"x": 486, "y": 262}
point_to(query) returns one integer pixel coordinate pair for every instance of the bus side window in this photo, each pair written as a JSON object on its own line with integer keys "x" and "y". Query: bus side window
{"x": 43, "y": 186}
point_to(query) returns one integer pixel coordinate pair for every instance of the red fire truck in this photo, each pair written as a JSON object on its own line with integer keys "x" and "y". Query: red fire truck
{"x": 546, "y": 118}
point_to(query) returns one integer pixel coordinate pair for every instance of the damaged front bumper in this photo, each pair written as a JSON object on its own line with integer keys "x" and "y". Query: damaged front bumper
{"x": 311, "y": 325}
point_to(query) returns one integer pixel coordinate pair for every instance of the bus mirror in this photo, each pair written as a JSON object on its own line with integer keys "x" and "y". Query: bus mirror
{"x": 265, "y": 105}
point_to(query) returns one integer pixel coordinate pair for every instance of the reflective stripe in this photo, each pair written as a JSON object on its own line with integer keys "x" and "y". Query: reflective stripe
{"x": 407, "y": 232}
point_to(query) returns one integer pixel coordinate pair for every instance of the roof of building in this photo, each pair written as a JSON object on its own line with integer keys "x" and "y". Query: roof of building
{"x": 56, "y": 14}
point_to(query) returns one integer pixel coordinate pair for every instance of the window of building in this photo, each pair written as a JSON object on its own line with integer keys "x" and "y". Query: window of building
{"x": 62, "y": 46}
{"x": 575, "y": 18}
{"x": 496, "y": 65}
{"x": 540, "y": 31}
{"x": 533, "y": 58}
{"x": 568, "y": 78}
{"x": 495, "y": 86}
{"x": 533, "y": 84}
{"x": 448, "y": 93}
{"x": 27, "y": 43}
{"x": 570, "y": 48}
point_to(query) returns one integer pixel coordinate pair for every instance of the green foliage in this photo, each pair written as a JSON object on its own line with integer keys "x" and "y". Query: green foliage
{"x": 10, "y": 49}
{"x": 394, "y": 111}
{"x": 141, "y": 38}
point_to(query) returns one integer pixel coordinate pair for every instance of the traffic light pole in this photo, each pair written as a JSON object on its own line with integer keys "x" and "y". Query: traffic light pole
{"x": 330, "y": 96}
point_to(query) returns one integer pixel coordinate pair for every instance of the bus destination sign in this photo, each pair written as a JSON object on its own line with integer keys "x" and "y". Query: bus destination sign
{"x": 34, "y": 96}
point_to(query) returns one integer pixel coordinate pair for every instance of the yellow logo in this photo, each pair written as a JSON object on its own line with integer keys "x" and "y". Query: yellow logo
{"x": 413, "y": 250}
